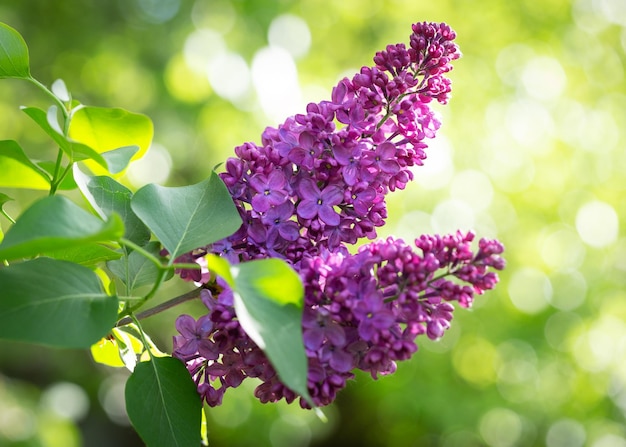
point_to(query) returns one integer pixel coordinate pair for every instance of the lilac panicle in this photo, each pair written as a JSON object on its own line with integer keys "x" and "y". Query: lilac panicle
{"x": 316, "y": 184}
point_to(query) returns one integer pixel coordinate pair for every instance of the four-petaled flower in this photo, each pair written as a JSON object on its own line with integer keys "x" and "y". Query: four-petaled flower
{"x": 316, "y": 203}
{"x": 270, "y": 190}
{"x": 194, "y": 337}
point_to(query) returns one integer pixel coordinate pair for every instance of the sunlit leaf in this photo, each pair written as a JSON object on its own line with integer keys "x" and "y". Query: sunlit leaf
{"x": 269, "y": 297}
{"x": 105, "y": 129}
{"x": 13, "y": 54}
{"x": 55, "y": 223}
{"x": 163, "y": 405}
{"x": 16, "y": 169}
{"x": 107, "y": 197}
{"x": 188, "y": 217}
{"x": 106, "y": 352}
{"x": 133, "y": 331}
{"x": 74, "y": 150}
{"x": 204, "y": 428}
{"x": 127, "y": 351}
{"x": 54, "y": 303}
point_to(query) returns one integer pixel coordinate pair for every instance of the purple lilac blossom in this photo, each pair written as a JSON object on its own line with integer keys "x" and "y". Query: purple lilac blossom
{"x": 317, "y": 184}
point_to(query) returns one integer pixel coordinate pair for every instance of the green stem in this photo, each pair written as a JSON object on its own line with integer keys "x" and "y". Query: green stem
{"x": 436, "y": 278}
{"x": 161, "y": 307}
{"x": 157, "y": 284}
{"x": 142, "y": 335}
{"x": 54, "y": 97}
{"x": 56, "y": 181}
{"x": 4, "y": 213}
{"x": 58, "y": 175}
{"x": 156, "y": 261}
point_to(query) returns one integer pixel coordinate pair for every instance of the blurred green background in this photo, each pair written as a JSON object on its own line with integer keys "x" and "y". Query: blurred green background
{"x": 532, "y": 151}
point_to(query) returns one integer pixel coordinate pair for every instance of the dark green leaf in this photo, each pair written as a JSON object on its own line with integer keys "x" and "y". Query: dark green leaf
{"x": 135, "y": 270}
{"x": 187, "y": 217}
{"x": 107, "y": 197}
{"x": 17, "y": 169}
{"x": 55, "y": 303}
{"x": 13, "y": 54}
{"x": 55, "y": 223}
{"x": 163, "y": 404}
{"x": 268, "y": 301}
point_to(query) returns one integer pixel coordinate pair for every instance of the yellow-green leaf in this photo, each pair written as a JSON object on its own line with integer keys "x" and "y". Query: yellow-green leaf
{"x": 105, "y": 129}
{"x": 16, "y": 169}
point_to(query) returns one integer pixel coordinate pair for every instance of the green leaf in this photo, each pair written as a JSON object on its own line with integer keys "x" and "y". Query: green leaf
{"x": 82, "y": 152}
{"x": 40, "y": 117}
{"x": 88, "y": 255}
{"x": 269, "y": 297}
{"x": 55, "y": 223}
{"x": 13, "y": 54}
{"x": 17, "y": 171}
{"x": 67, "y": 184}
{"x": 107, "y": 352}
{"x": 107, "y": 197}
{"x": 54, "y": 303}
{"x": 118, "y": 159}
{"x": 74, "y": 150}
{"x": 105, "y": 129}
{"x": 163, "y": 405}
{"x": 135, "y": 270}
{"x": 188, "y": 217}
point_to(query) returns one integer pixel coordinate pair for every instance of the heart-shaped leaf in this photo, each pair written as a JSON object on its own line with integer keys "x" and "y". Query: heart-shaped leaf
{"x": 17, "y": 169}
{"x": 13, "y": 54}
{"x": 55, "y": 223}
{"x": 54, "y": 303}
{"x": 163, "y": 404}
{"x": 188, "y": 217}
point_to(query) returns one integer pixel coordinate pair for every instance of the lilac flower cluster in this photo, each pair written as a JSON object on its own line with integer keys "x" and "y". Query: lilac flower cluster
{"x": 318, "y": 183}
{"x": 314, "y": 184}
